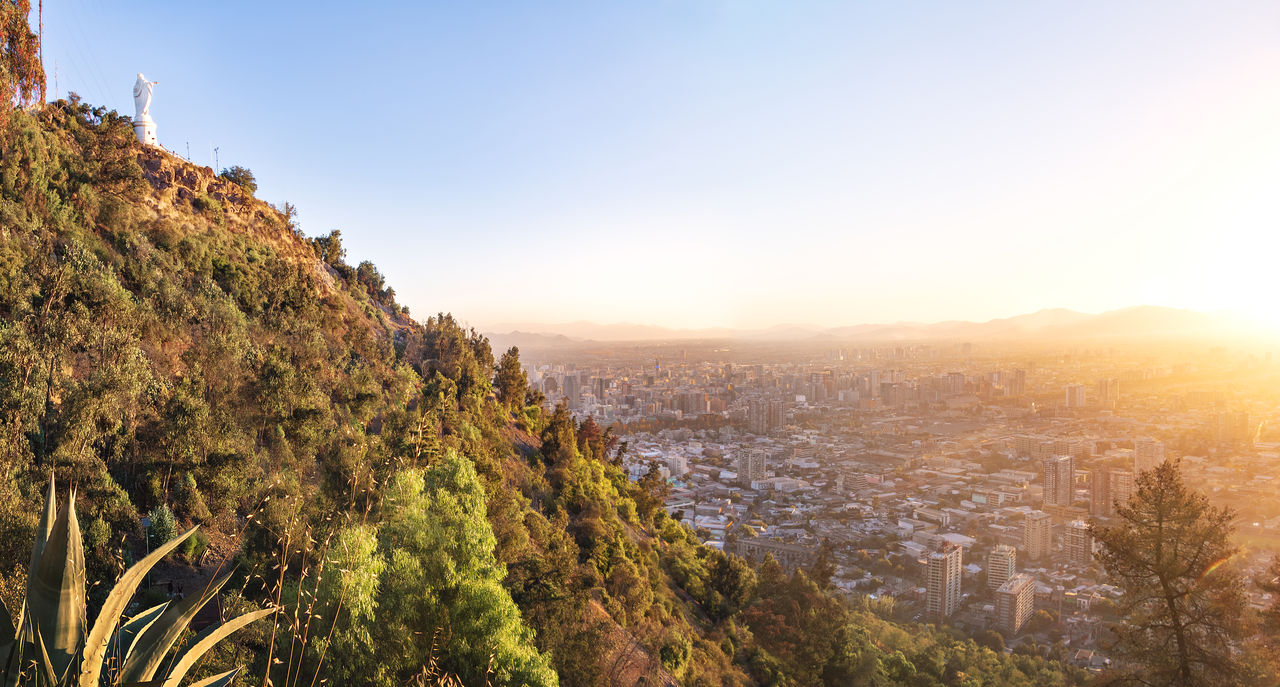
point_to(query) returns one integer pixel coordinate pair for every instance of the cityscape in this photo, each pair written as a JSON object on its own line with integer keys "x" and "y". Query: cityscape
{"x": 957, "y": 479}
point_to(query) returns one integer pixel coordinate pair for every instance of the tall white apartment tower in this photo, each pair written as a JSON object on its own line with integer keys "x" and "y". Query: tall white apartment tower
{"x": 1059, "y": 481}
{"x": 1037, "y": 535}
{"x": 1001, "y": 565}
{"x": 942, "y": 581}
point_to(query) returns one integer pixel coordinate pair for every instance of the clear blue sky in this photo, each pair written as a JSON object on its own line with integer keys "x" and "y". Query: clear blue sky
{"x": 735, "y": 162}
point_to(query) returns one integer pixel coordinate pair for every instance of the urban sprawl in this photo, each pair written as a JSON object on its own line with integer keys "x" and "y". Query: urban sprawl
{"x": 955, "y": 480}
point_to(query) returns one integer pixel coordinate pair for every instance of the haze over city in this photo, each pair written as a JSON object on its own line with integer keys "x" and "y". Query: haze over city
{"x": 738, "y": 164}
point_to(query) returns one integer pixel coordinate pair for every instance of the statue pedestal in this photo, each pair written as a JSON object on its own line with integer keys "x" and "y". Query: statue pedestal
{"x": 145, "y": 129}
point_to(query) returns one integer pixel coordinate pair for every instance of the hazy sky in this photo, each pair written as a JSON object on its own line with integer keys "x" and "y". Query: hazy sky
{"x": 735, "y": 162}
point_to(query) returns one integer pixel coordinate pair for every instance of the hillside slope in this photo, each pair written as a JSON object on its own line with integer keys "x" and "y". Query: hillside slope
{"x": 168, "y": 341}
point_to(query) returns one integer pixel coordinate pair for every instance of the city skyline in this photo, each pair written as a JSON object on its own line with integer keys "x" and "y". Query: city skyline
{"x": 735, "y": 164}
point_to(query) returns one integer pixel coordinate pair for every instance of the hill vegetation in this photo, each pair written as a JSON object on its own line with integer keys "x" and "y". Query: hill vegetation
{"x": 170, "y": 343}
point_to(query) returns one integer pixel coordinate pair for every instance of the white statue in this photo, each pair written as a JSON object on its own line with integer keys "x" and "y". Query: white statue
{"x": 143, "y": 125}
{"x": 142, "y": 97}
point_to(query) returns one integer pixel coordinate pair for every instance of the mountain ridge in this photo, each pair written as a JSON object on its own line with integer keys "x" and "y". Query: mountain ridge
{"x": 1140, "y": 321}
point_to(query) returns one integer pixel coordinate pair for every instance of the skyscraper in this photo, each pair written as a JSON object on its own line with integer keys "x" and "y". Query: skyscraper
{"x": 1108, "y": 487}
{"x": 1001, "y": 564}
{"x": 572, "y": 386}
{"x": 758, "y": 416}
{"x": 1018, "y": 384}
{"x": 1078, "y": 543}
{"x": 1147, "y": 454}
{"x": 750, "y": 466}
{"x": 1108, "y": 393}
{"x": 1075, "y": 395}
{"x": 765, "y": 416}
{"x": 1100, "y": 491}
{"x": 1122, "y": 486}
{"x": 1037, "y": 535}
{"x": 1059, "y": 477}
{"x": 942, "y": 581}
{"x": 1015, "y": 600}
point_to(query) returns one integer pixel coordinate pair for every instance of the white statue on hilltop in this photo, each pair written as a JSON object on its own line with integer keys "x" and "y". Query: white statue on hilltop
{"x": 143, "y": 125}
{"x": 142, "y": 96}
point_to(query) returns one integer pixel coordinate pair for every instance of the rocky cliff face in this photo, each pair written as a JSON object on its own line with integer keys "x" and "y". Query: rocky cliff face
{"x": 180, "y": 190}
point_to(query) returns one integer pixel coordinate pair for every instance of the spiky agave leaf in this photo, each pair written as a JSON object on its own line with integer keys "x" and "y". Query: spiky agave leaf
{"x": 8, "y": 631}
{"x": 150, "y": 648}
{"x": 55, "y": 597}
{"x": 9, "y": 654}
{"x": 45, "y": 666}
{"x": 206, "y": 641}
{"x": 44, "y": 529}
{"x": 219, "y": 680}
{"x": 95, "y": 649}
{"x": 126, "y": 637}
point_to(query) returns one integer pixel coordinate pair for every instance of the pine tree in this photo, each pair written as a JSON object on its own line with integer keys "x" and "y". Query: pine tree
{"x": 1183, "y": 603}
{"x": 510, "y": 383}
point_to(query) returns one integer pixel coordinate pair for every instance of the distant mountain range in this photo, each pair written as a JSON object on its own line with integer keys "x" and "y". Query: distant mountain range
{"x": 1139, "y": 322}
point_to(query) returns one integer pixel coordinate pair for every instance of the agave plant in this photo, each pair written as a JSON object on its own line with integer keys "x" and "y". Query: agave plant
{"x": 49, "y": 645}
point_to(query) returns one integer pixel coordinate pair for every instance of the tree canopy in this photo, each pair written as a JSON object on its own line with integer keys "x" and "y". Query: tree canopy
{"x": 1184, "y": 605}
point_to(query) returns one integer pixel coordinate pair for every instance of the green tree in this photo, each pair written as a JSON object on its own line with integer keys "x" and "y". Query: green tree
{"x": 441, "y": 574}
{"x": 991, "y": 639}
{"x": 1184, "y": 603}
{"x": 241, "y": 176}
{"x": 348, "y": 595}
{"x": 510, "y": 382}
{"x": 329, "y": 248}
{"x": 651, "y": 492}
{"x": 163, "y": 525}
{"x": 1270, "y": 582}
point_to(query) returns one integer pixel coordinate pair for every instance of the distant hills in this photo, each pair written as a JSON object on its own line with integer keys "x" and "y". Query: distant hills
{"x": 1140, "y": 322}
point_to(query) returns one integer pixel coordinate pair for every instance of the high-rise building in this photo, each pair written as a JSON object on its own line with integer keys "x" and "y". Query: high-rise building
{"x": 1001, "y": 565}
{"x": 1059, "y": 481}
{"x": 1037, "y": 535}
{"x": 1234, "y": 427}
{"x": 1108, "y": 487}
{"x": 942, "y": 581}
{"x": 572, "y": 386}
{"x": 1100, "y": 491}
{"x": 750, "y": 466}
{"x": 1108, "y": 393}
{"x": 1018, "y": 384}
{"x": 1075, "y": 395}
{"x": 1147, "y": 454}
{"x": 1122, "y": 487}
{"x": 1078, "y": 543}
{"x": 765, "y": 416}
{"x": 758, "y": 416}
{"x": 1015, "y": 601}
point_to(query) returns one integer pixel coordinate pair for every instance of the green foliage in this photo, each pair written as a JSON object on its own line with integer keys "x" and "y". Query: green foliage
{"x": 194, "y": 547}
{"x": 242, "y": 176}
{"x": 55, "y": 645}
{"x": 510, "y": 382}
{"x": 21, "y": 73}
{"x": 433, "y": 570}
{"x": 208, "y": 205}
{"x": 1184, "y": 603}
{"x": 163, "y": 525}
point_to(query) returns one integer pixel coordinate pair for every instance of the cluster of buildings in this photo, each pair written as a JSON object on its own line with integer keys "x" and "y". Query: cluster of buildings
{"x": 962, "y": 486}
